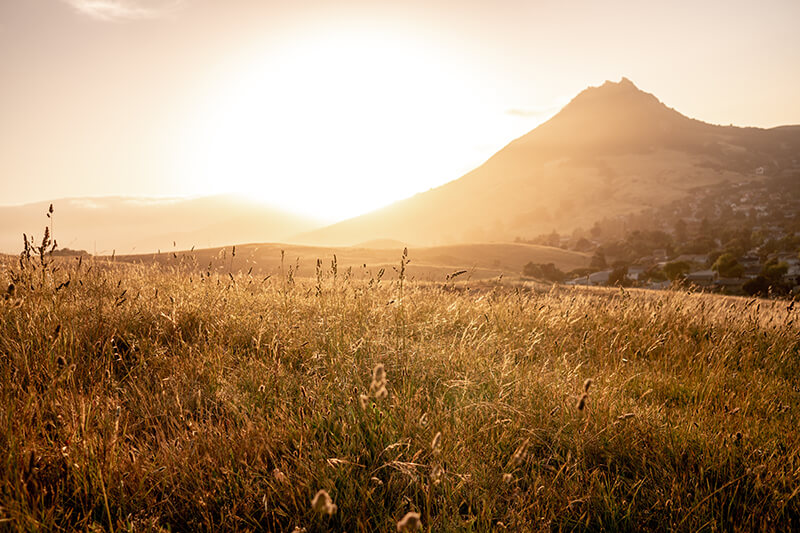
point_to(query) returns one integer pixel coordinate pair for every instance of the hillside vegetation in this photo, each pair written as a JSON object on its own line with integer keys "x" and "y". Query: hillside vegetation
{"x": 138, "y": 398}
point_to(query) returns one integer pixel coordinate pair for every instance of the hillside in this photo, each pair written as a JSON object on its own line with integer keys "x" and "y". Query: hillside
{"x": 128, "y": 225}
{"x": 481, "y": 261}
{"x": 613, "y": 150}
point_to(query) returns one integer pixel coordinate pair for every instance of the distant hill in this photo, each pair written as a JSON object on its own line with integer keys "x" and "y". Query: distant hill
{"x": 382, "y": 244}
{"x": 613, "y": 150}
{"x": 481, "y": 261}
{"x": 128, "y": 225}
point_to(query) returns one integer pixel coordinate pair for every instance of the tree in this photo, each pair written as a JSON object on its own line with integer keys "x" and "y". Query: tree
{"x": 699, "y": 245}
{"x": 758, "y": 286}
{"x": 653, "y": 274}
{"x": 598, "y": 260}
{"x": 554, "y": 239}
{"x": 736, "y": 247}
{"x": 69, "y": 252}
{"x": 713, "y": 255}
{"x": 774, "y": 270}
{"x": 546, "y": 271}
{"x": 619, "y": 277}
{"x": 583, "y": 245}
{"x": 676, "y": 269}
{"x": 578, "y": 273}
{"x": 727, "y": 266}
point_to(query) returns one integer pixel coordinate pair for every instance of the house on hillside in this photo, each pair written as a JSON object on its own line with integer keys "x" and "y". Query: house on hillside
{"x": 594, "y": 279}
{"x": 659, "y": 255}
{"x": 599, "y": 278}
{"x": 751, "y": 265}
{"x": 634, "y": 271}
{"x": 751, "y": 271}
{"x": 647, "y": 260}
{"x": 700, "y": 259}
{"x": 730, "y": 284}
{"x": 702, "y": 278}
{"x": 793, "y": 262}
{"x": 581, "y": 281}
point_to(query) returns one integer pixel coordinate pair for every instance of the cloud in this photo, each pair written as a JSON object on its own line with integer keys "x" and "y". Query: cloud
{"x": 117, "y": 10}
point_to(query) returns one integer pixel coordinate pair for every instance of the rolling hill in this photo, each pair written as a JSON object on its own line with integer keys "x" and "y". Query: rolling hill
{"x": 613, "y": 150}
{"x": 128, "y": 225}
{"x": 480, "y": 260}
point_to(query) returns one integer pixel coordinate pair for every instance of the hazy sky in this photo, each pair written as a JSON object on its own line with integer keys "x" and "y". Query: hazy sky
{"x": 335, "y": 108}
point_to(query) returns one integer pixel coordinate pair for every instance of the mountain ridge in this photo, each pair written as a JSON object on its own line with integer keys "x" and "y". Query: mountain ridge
{"x": 613, "y": 149}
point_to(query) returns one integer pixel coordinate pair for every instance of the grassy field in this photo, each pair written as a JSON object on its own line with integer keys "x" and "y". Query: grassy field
{"x": 480, "y": 260}
{"x": 138, "y": 398}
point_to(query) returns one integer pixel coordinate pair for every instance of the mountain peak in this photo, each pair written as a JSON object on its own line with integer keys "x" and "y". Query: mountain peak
{"x": 613, "y": 117}
{"x": 622, "y": 83}
{"x": 624, "y": 88}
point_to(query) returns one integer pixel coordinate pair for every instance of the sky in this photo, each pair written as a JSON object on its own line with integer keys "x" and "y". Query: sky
{"x": 333, "y": 109}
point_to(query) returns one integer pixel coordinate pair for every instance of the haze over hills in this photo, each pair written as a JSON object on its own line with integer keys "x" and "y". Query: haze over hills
{"x": 144, "y": 225}
{"x": 613, "y": 150}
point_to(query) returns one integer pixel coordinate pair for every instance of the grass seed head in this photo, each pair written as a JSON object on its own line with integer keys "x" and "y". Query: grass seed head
{"x": 279, "y": 476}
{"x": 322, "y": 503}
{"x": 582, "y": 401}
{"x": 520, "y": 454}
{"x": 378, "y": 385}
{"x": 379, "y": 374}
{"x": 436, "y": 442}
{"x": 410, "y": 522}
{"x": 363, "y": 399}
{"x": 436, "y": 474}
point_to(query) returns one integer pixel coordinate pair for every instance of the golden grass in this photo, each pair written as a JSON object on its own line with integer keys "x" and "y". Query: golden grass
{"x": 143, "y": 398}
{"x": 481, "y": 260}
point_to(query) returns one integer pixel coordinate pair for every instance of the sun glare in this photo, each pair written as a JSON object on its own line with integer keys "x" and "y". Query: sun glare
{"x": 333, "y": 126}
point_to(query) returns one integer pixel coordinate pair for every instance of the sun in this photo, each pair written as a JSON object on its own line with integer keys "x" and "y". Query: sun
{"x": 332, "y": 125}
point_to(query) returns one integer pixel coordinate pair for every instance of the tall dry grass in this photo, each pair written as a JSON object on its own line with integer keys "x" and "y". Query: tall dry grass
{"x": 142, "y": 398}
